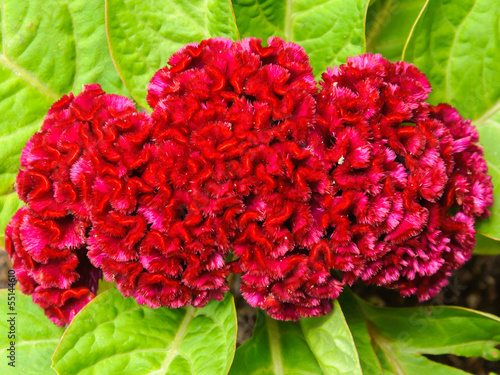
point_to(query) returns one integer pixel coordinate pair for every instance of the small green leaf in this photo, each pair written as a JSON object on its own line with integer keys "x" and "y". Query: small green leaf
{"x": 400, "y": 336}
{"x": 437, "y": 330}
{"x": 489, "y": 134}
{"x": 276, "y": 348}
{"x": 9, "y": 204}
{"x": 457, "y": 45}
{"x": 104, "y": 285}
{"x": 49, "y": 48}
{"x": 486, "y": 246}
{"x": 142, "y": 35}
{"x": 331, "y": 343}
{"x": 329, "y": 30}
{"x": 388, "y": 24}
{"x": 115, "y": 335}
{"x": 36, "y": 336}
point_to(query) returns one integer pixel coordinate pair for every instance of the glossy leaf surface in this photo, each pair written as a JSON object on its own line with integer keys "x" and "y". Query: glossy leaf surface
{"x": 115, "y": 335}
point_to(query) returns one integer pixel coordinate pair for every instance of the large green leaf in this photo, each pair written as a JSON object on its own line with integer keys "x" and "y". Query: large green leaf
{"x": 331, "y": 343}
{"x": 49, "y": 48}
{"x": 457, "y": 44}
{"x": 401, "y": 336}
{"x": 489, "y": 136}
{"x": 329, "y": 30}
{"x": 115, "y": 335}
{"x": 388, "y": 24}
{"x": 142, "y": 35}
{"x": 275, "y": 348}
{"x": 36, "y": 336}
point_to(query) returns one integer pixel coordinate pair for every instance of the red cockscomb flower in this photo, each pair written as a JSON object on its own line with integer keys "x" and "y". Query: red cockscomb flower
{"x": 48, "y": 240}
{"x": 49, "y": 257}
{"x": 50, "y": 179}
{"x": 239, "y": 168}
{"x": 402, "y": 170}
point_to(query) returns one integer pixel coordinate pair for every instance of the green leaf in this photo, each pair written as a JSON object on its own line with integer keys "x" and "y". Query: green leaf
{"x": 401, "y": 336}
{"x": 457, "y": 45}
{"x": 36, "y": 336}
{"x": 331, "y": 342}
{"x": 329, "y": 30}
{"x": 142, "y": 35}
{"x": 356, "y": 321}
{"x": 104, "y": 286}
{"x": 489, "y": 134}
{"x": 275, "y": 348}
{"x": 49, "y": 48}
{"x": 388, "y": 24}
{"x": 486, "y": 246}
{"x": 115, "y": 335}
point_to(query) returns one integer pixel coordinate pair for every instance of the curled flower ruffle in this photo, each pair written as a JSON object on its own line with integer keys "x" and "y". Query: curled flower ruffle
{"x": 401, "y": 170}
{"x": 49, "y": 257}
{"x": 309, "y": 190}
{"x": 48, "y": 240}
{"x": 240, "y": 168}
{"x": 49, "y": 180}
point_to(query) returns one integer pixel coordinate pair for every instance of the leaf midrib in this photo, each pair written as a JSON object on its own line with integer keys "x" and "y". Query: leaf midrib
{"x": 381, "y": 342}
{"x": 274, "y": 341}
{"x": 488, "y": 114}
{"x": 441, "y": 349}
{"x": 27, "y": 77}
{"x": 14, "y": 67}
{"x": 181, "y": 332}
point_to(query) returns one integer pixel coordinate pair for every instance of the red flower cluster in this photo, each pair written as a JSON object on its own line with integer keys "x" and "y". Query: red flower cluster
{"x": 48, "y": 240}
{"x": 409, "y": 178}
{"x": 363, "y": 180}
{"x": 242, "y": 168}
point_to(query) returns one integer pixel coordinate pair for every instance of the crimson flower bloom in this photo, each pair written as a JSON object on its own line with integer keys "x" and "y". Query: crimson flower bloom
{"x": 363, "y": 180}
{"x": 409, "y": 178}
{"x": 49, "y": 257}
{"x": 48, "y": 240}
{"x": 240, "y": 168}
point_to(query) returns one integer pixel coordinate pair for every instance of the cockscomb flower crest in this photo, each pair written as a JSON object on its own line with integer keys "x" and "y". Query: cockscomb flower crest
{"x": 409, "y": 178}
{"x": 242, "y": 168}
{"x": 48, "y": 239}
{"x": 245, "y": 166}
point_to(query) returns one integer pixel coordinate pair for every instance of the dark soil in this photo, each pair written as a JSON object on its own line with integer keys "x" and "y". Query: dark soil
{"x": 476, "y": 286}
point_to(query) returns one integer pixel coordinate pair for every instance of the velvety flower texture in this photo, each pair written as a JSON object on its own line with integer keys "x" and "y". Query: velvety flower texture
{"x": 309, "y": 190}
{"x": 49, "y": 257}
{"x": 48, "y": 240}
{"x": 409, "y": 178}
{"x": 240, "y": 168}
